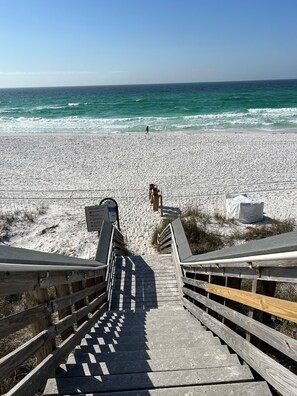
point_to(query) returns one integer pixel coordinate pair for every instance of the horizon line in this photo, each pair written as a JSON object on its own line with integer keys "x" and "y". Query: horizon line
{"x": 141, "y": 84}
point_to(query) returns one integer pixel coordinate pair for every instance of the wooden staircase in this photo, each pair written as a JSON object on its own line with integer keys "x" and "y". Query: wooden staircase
{"x": 148, "y": 344}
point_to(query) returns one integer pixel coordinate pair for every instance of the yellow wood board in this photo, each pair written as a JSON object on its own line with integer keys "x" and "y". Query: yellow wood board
{"x": 275, "y": 306}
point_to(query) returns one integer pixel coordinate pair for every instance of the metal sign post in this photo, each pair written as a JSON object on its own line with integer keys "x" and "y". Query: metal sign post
{"x": 113, "y": 210}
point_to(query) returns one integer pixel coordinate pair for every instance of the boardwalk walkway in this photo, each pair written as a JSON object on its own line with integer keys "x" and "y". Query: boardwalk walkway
{"x": 148, "y": 344}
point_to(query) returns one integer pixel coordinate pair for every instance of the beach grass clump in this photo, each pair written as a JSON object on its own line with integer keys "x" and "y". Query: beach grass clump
{"x": 201, "y": 240}
{"x": 9, "y": 220}
{"x": 206, "y": 232}
{"x": 260, "y": 231}
{"x": 196, "y": 214}
{"x": 222, "y": 219}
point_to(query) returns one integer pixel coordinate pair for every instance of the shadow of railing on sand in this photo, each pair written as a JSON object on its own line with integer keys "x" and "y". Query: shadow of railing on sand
{"x": 170, "y": 211}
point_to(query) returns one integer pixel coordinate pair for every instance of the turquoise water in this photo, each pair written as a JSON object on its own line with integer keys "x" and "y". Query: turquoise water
{"x": 234, "y": 106}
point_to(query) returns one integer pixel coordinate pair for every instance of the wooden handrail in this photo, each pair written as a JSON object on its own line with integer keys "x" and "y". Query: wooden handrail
{"x": 64, "y": 297}
{"x": 275, "y": 306}
{"x": 210, "y": 287}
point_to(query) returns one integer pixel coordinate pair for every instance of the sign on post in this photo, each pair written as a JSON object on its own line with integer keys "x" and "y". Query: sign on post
{"x": 95, "y": 215}
{"x": 113, "y": 210}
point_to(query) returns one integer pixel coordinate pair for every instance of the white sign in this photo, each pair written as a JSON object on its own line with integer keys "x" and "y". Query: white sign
{"x": 95, "y": 215}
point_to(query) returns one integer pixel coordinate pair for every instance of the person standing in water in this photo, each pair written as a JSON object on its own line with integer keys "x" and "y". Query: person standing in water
{"x": 147, "y": 130}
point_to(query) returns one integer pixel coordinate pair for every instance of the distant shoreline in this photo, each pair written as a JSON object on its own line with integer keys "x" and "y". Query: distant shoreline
{"x": 155, "y": 133}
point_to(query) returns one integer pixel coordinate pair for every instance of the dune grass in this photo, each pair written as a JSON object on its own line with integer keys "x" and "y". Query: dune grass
{"x": 9, "y": 220}
{"x": 206, "y": 232}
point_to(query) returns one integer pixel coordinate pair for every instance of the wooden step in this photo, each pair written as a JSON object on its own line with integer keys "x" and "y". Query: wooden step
{"x": 148, "y": 321}
{"x": 78, "y": 356}
{"x": 151, "y": 380}
{"x": 178, "y": 312}
{"x": 91, "y": 346}
{"x": 145, "y": 273}
{"x": 145, "y": 328}
{"x": 128, "y": 338}
{"x": 177, "y": 329}
{"x": 235, "y": 389}
{"x": 140, "y": 305}
{"x": 134, "y": 295}
{"x": 143, "y": 366}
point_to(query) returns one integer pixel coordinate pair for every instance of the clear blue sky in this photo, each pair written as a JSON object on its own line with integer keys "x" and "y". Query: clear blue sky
{"x": 95, "y": 42}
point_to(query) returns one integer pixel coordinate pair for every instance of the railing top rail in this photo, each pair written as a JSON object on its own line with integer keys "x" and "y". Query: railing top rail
{"x": 280, "y": 250}
{"x": 265, "y": 260}
{"x": 14, "y": 259}
{"x": 26, "y": 267}
{"x": 9, "y": 254}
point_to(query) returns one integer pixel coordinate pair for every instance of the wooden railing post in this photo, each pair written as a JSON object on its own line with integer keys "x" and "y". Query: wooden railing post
{"x": 155, "y": 199}
{"x": 248, "y": 335}
{"x": 64, "y": 290}
{"x": 235, "y": 283}
{"x": 151, "y": 187}
{"x": 77, "y": 286}
{"x": 268, "y": 289}
{"x": 34, "y": 298}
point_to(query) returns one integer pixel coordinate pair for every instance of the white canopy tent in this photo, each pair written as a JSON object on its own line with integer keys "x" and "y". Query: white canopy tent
{"x": 244, "y": 209}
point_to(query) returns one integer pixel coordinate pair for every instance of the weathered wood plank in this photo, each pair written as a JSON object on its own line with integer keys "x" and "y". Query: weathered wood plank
{"x": 145, "y": 346}
{"x": 76, "y": 287}
{"x": 280, "y": 341}
{"x": 240, "y": 389}
{"x": 283, "y": 274}
{"x": 63, "y": 312}
{"x": 166, "y": 249}
{"x": 9, "y": 254}
{"x": 149, "y": 380}
{"x": 183, "y": 247}
{"x": 194, "y": 282}
{"x": 39, "y": 375}
{"x": 275, "y": 244}
{"x": 166, "y": 240}
{"x": 143, "y": 366}
{"x": 65, "y": 301}
{"x": 13, "y": 360}
{"x": 18, "y": 321}
{"x": 69, "y": 277}
{"x": 201, "y": 350}
{"x": 274, "y": 373}
{"x": 17, "y": 282}
{"x": 76, "y": 316}
{"x": 104, "y": 243}
{"x": 35, "y": 298}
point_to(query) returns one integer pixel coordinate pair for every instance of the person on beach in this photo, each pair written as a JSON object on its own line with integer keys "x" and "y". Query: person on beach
{"x": 147, "y": 130}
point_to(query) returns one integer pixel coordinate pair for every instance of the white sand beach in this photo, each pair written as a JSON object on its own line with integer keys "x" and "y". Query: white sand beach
{"x": 67, "y": 173}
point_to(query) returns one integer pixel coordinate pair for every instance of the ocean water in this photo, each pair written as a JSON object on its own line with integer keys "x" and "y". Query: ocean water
{"x": 232, "y": 106}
